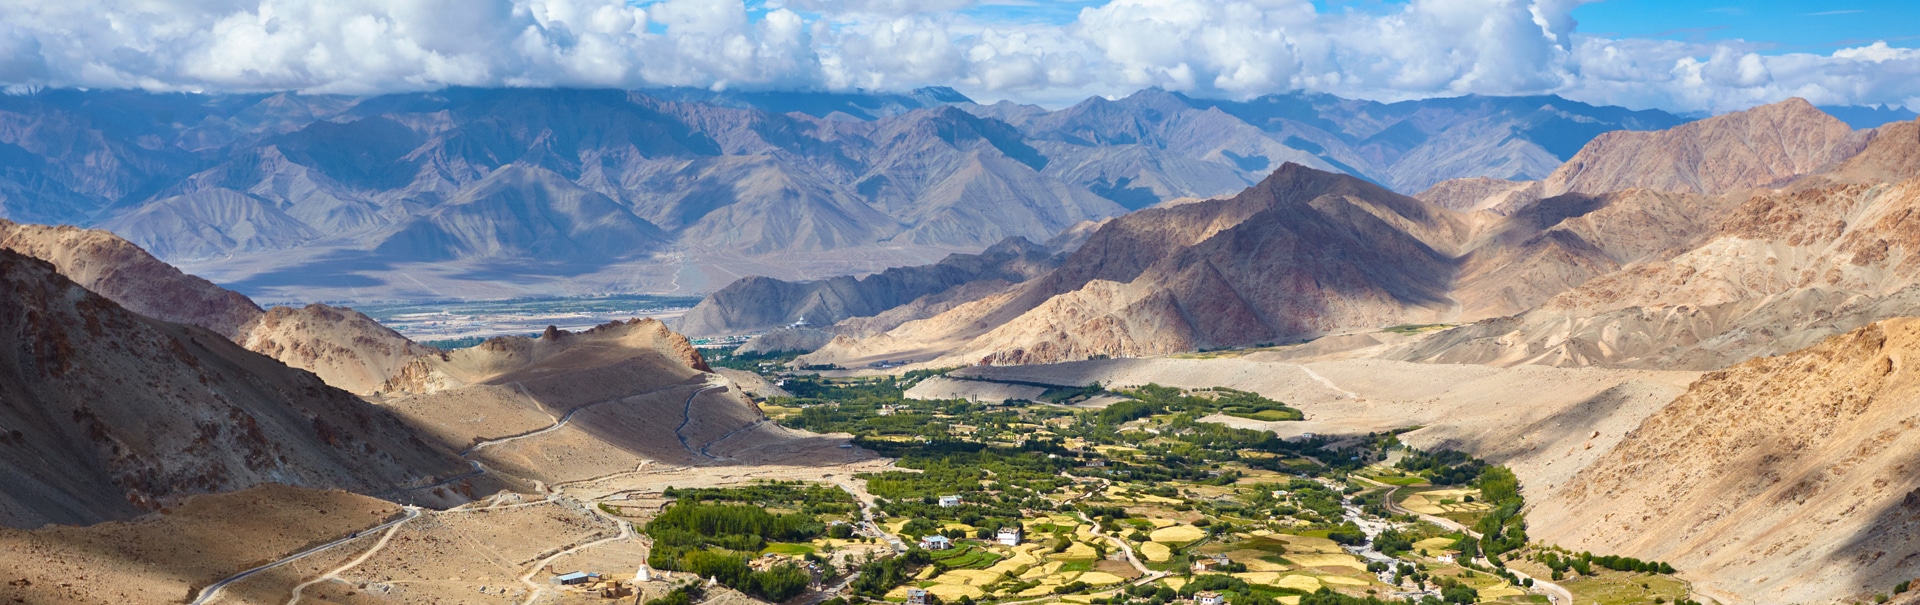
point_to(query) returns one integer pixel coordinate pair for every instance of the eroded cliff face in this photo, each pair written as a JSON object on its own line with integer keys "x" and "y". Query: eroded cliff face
{"x": 1782, "y": 479}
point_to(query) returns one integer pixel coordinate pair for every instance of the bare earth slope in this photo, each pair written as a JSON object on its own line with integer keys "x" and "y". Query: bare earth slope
{"x": 1780, "y": 480}
{"x": 110, "y": 414}
{"x": 345, "y": 348}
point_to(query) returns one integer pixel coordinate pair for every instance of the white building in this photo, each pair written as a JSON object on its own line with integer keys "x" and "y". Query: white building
{"x": 935, "y": 542}
{"x": 948, "y": 501}
{"x": 917, "y": 596}
{"x": 1209, "y": 598}
{"x": 1009, "y": 536}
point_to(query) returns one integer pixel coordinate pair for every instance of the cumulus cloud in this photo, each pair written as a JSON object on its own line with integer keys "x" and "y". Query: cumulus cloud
{"x": 1233, "y": 48}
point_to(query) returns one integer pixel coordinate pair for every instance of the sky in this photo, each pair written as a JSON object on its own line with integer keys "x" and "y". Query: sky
{"x": 1677, "y": 55}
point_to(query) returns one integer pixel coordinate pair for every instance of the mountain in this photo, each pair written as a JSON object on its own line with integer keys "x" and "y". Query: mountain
{"x": 498, "y": 193}
{"x": 1305, "y": 251}
{"x": 759, "y": 303}
{"x": 111, "y": 414}
{"x": 1788, "y": 473}
{"x": 1774, "y": 272}
{"x": 344, "y": 348}
{"x": 1761, "y": 147}
{"x": 1308, "y": 253}
{"x": 1872, "y": 116}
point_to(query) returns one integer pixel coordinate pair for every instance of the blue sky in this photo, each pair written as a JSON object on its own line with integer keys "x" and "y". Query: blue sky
{"x": 1688, "y": 56}
{"x": 1776, "y": 25}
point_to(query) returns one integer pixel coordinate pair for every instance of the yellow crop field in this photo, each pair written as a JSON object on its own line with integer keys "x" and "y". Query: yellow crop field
{"x": 1100, "y": 578}
{"x": 1299, "y": 582}
{"x": 1326, "y": 560}
{"x": 1177, "y": 534}
{"x": 1156, "y": 552}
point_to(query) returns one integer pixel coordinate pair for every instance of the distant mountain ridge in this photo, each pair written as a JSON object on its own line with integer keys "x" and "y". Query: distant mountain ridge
{"x": 478, "y": 192}
{"x": 1660, "y": 249}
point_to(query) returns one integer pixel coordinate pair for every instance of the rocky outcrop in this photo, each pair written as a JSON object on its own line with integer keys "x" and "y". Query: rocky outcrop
{"x": 109, "y": 414}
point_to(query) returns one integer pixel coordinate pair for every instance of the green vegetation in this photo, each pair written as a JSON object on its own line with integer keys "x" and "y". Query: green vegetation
{"x": 1415, "y": 328}
{"x": 1145, "y": 470}
{"x": 716, "y": 541}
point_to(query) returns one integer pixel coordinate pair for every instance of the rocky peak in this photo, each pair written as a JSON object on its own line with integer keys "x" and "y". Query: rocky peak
{"x": 1765, "y": 146}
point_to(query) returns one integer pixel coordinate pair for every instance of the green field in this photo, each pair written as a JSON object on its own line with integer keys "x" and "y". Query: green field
{"x": 787, "y": 548}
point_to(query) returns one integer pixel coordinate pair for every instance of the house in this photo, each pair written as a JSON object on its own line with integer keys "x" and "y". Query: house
{"x": 1208, "y": 597}
{"x": 1009, "y": 536}
{"x": 918, "y": 596}
{"x": 571, "y": 579}
{"x": 948, "y": 501}
{"x": 935, "y": 542}
{"x": 1211, "y": 563}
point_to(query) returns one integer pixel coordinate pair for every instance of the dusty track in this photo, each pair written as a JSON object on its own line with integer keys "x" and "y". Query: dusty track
{"x": 212, "y": 591}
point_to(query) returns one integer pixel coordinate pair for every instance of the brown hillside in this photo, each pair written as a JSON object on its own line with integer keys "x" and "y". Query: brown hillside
{"x": 345, "y": 348}
{"x": 110, "y": 414}
{"x": 1781, "y": 480}
{"x": 1764, "y": 146}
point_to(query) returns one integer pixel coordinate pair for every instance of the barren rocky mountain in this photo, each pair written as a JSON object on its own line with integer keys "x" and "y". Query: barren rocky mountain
{"x": 1760, "y": 147}
{"x": 1780, "y": 480}
{"x": 1776, "y": 272}
{"x": 759, "y": 303}
{"x": 455, "y": 192}
{"x": 110, "y": 414}
{"x": 346, "y": 349}
{"x": 1594, "y": 273}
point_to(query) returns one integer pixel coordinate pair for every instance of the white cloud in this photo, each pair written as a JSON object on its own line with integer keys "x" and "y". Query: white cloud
{"x": 1205, "y": 47}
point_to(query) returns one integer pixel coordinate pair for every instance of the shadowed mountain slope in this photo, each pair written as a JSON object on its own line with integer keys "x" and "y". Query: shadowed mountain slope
{"x": 346, "y": 349}
{"x": 110, "y": 414}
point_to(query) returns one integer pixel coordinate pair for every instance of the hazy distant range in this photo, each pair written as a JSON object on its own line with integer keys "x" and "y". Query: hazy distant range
{"x": 537, "y": 193}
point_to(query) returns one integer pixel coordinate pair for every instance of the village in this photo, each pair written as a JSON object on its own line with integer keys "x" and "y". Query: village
{"x": 1132, "y": 502}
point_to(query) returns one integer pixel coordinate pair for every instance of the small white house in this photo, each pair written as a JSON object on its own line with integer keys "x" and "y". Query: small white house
{"x": 917, "y": 596}
{"x": 1009, "y": 536}
{"x": 948, "y": 501}
{"x": 935, "y": 542}
{"x": 1207, "y": 597}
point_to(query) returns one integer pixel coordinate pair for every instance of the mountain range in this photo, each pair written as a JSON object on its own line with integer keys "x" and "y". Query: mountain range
{"x": 1609, "y": 245}
{"x": 489, "y": 193}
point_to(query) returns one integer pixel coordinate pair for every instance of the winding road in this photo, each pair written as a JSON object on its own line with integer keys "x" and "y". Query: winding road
{"x": 687, "y": 418}
{"x": 213, "y": 590}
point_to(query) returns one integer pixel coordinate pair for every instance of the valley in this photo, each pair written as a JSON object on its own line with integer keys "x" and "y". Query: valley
{"x": 462, "y": 324}
{"x": 1148, "y": 350}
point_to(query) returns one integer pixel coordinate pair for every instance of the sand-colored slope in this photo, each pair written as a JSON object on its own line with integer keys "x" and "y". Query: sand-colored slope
{"x": 1784, "y": 479}
{"x": 1778, "y": 272}
{"x": 165, "y": 559}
